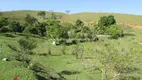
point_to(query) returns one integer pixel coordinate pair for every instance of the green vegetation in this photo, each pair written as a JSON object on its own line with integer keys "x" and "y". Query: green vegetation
{"x": 121, "y": 18}
{"x": 49, "y": 49}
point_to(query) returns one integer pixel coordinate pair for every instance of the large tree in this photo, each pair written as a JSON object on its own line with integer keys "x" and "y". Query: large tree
{"x": 103, "y": 21}
{"x": 27, "y": 44}
{"x": 15, "y": 27}
{"x": 106, "y": 21}
{"x": 41, "y": 27}
{"x": 30, "y": 20}
{"x": 111, "y": 20}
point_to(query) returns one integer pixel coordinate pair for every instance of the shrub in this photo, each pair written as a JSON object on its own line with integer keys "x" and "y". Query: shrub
{"x": 74, "y": 41}
{"x": 4, "y": 29}
{"x": 31, "y": 30}
{"x": 27, "y": 44}
{"x": 3, "y": 21}
{"x": 79, "y": 23}
{"x": 15, "y": 26}
{"x": 114, "y": 31}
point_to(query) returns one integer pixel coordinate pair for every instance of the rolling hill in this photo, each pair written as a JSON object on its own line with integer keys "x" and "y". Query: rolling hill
{"x": 127, "y": 19}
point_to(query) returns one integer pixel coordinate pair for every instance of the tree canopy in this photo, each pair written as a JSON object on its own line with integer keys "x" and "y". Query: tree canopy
{"x": 106, "y": 21}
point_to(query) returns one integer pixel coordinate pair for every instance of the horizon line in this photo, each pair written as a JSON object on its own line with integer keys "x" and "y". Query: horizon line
{"x": 73, "y": 12}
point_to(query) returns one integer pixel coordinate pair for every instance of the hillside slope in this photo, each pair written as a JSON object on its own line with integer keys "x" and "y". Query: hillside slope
{"x": 85, "y": 16}
{"x": 19, "y": 15}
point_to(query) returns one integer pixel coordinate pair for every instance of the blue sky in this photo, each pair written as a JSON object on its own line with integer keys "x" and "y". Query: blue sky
{"x": 75, "y": 6}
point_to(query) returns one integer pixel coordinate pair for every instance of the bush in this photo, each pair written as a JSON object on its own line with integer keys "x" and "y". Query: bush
{"x": 4, "y": 29}
{"x": 104, "y": 22}
{"x": 15, "y": 26}
{"x": 3, "y": 21}
{"x": 74, "y": 41}
{"x": 31, "y": 30}
{"x": 79, "y": 23}
{"x": 114, "y": 31}
{"x": 27, "y": 43}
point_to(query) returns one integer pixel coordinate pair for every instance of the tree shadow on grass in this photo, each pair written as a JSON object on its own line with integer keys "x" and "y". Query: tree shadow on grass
{"x": 67, "y": 72}
{"x": 43, "y": 54}
{"x": 38, "y": 77}
{"x": 56, "y": 55}
{"x": 128, "y": 34}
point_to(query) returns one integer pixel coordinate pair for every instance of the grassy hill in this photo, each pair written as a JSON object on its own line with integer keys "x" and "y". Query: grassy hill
{"x": 48, "y": 60}
{"x": 71, "y": 68}
{"x": 19, "y": 15}
{"x": 85, "y": 16}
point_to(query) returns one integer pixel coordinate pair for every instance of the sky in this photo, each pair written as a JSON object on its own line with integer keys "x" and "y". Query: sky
{"x": 75, "y": 6}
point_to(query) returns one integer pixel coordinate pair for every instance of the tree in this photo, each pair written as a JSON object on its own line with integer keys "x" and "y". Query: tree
{"x": 53, "y": 29}
{"x": 27, "y": 44}
{"x": 42, "y": 29}
{"x": 112, "y": 60}
{"x": 79, "y": 23}
{"x": 106, "y": 21}
{"x": 15, "y": 27}
{"x": 30, "y": 20}
{"x": 3, "y": 22}
{"x": 85, "y": 29}
{"x": 114, "y": 31}
{"x": 67, "y": 11}
{"x": 103, "y": 21}
{"x": 42, "y": 14}
{"x": 31, "y": 30}
{"x": 111, "y": 20}
{"x": 63, "y": 32}
{"x": 4, "y": 29}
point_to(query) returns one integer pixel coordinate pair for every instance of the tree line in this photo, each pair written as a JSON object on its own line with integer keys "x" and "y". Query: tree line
{"x": 54, "y": 29}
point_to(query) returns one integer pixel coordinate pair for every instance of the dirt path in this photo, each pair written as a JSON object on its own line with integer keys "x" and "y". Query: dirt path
{"x": 131, "y": 25}
{"x": 136, "y": 26}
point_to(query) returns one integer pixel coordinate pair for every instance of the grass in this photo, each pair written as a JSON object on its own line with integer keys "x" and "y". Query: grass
{"x": 85, "y": 16}
{"x": 10, "y": 69}
{"x": 68, "y": 64}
